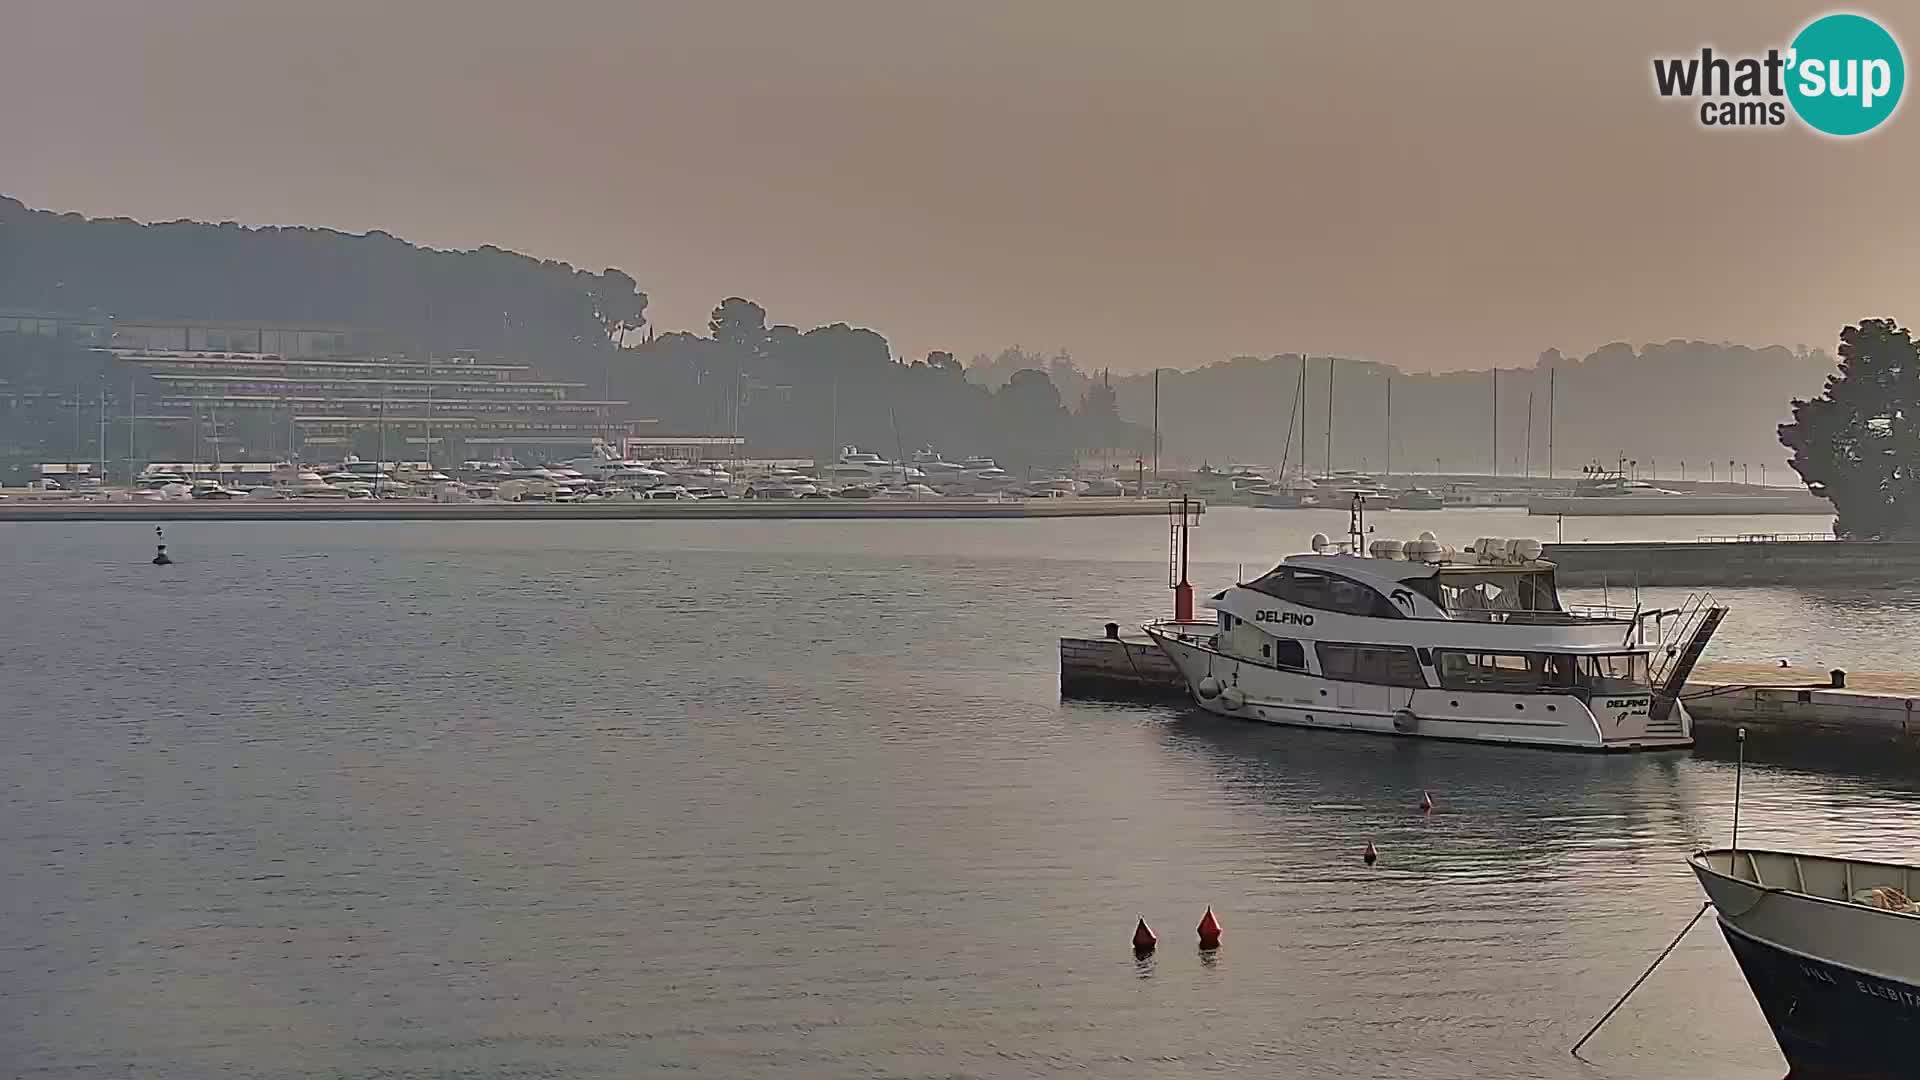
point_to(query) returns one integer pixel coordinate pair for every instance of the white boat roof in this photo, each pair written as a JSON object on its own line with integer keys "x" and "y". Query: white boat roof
{"x": 1409, "y": 570}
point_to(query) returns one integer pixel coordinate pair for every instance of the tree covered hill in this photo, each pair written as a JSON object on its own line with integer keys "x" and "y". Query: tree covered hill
{"x": 487, "y": 300}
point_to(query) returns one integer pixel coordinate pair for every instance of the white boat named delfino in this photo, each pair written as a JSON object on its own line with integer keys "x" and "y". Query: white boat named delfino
{"x": 1422, "y": 640}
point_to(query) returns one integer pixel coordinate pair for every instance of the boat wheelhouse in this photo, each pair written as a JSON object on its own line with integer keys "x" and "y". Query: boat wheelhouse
{"x": 1417, "y": 639}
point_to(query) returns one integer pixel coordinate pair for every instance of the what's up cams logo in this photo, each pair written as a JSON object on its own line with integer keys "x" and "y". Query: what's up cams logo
{"x": 1842, "y": 75}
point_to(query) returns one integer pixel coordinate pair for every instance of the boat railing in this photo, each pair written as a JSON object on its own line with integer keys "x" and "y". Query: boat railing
{"x": 1763, "y": 538}
{"x": 1195, "y": 630}
{"x": 1603, "y": 612}
{"x": 1685, "y": 621}
{"x": 1571, "y": 615}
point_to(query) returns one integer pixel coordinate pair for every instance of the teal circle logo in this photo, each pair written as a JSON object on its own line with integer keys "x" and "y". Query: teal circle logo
{"x": 1845, "y": 74}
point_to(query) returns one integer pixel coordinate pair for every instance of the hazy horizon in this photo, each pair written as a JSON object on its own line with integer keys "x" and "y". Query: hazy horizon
{"x": 1434, "y": 188}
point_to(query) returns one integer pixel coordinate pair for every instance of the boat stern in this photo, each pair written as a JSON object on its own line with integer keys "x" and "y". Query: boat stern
{"x": 1641, "y": 721}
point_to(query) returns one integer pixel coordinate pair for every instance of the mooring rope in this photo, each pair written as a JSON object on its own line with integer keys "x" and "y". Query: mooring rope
{"x": 1664, "y": 953}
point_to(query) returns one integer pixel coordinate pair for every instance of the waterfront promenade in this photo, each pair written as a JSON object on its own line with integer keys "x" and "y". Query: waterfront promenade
{"x": 598, "y": 510}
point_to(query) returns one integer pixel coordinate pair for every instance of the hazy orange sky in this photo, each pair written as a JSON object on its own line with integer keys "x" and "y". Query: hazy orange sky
{"x": 1432, "y": 185}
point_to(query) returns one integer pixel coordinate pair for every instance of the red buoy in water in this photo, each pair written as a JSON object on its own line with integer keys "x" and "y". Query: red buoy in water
{"x": 1370, "y": 856}
{"x": 1209, "y": 930}
{"x": 1426, "y": 802}
{"x": 1143, "y": 939}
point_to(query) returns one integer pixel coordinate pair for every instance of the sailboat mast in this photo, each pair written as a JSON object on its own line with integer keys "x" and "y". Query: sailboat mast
{"x": 1156, "y": 426}
{"x": 1329, "y": 416}
{"x": 1553, "y": 375}
{"x": 1389, "y": 425}
{"x": 899, "y": 448}
{"x": 1496, "y": 421}
{"x": 1293, "y": 418}
{"x": 1300, "y": 402}
{"x": 1529, "y": 466}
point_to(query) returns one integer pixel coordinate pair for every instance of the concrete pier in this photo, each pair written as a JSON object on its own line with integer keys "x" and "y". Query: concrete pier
{"x": 1127, "y": 667}
{"x": 1785, "y": 502}
{"x": 1879, "y": 708}
{"x": 1738, "y": 561}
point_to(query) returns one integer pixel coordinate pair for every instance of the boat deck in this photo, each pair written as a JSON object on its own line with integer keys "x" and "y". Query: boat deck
{"x": 1884, "y": 886}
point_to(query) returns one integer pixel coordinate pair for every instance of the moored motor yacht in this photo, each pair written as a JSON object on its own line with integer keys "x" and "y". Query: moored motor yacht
{"x": 1418, "y": 639}
{"x": 1416, "y": 498}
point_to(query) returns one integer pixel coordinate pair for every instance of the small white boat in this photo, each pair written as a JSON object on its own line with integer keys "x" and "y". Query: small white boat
{"x": 1831, "y": 950}
{"x": 1288, "y": 495}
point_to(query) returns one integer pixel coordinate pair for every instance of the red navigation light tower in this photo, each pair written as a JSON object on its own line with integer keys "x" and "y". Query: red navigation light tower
{"x": 1183, "y": 515}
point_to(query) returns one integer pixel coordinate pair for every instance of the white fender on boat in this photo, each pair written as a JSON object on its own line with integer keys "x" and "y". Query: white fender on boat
{"x": 1232, "y": 698}
{"x": 1208, "y": 687}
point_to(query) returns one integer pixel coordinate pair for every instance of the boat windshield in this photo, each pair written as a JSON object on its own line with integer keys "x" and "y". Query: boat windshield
{"x": 1499, "y": 596}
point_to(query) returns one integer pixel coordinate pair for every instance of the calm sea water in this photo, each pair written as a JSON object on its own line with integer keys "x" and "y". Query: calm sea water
{"x": 801, "y": 800}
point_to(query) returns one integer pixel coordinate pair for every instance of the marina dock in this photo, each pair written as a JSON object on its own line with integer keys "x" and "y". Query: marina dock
{"x": 599, "y": 510}
{"x": 1129, "y": 667}
{"x": 1769, "y": 559}
{"x": 1784, "y": 502}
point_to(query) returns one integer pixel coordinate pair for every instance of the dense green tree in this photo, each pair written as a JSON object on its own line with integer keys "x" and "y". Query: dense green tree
{"x": 1858, "y": 444}
{"x": 739, "y": 324}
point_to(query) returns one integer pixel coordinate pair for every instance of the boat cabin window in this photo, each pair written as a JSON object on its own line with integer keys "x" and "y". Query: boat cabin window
{"x": 1614, "y": 673}
{"x": 1494, "y": 596}
{"x": 1325, "y": 592}
{"x": 1504, "y": 672}
{"x": 1427, "y": 586}
{"x": 1610, "y": 673}
{"x": 1384, "y": 665}
{"x": 1287, "y": 653}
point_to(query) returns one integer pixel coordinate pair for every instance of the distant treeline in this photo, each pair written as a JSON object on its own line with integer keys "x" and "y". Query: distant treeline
{"x": 811, "y": 391}
{"x": 799, "y": 392}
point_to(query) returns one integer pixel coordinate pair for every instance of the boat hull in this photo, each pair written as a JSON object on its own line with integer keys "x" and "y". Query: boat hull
{"x": 1830, "y": 1020}
{"x": 1838, "y": 981}
{"x": 1282, "y": 500}
{"x": 1247, "y": 691}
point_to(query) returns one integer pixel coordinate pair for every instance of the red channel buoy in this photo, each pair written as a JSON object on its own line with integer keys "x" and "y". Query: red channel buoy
{"x": 1370, "y": 856}
{"x": 1143, "y": 939}
{"x": 1209, "y": 930}
{"x": 1426, "y": 802}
